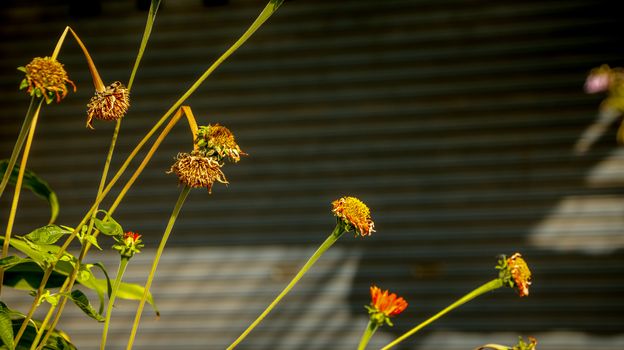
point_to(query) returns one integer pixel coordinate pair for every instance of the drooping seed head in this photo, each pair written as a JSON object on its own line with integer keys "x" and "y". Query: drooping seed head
{"x": 110, "y": 104}
{"x": 196, "y": 170}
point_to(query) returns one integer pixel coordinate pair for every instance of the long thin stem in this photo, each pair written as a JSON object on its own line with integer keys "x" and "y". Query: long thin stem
{"x": 111, "y": 301}
{"x": 18, "y": 145}
{"x": 270, "y": 8}
{"x": 371, "y": 327}
{"x": 151, "y": 17}
{"x": 159, "y": 251}
{"x": 71, "y": 279}
{"x": 333, "y": 237}
{"x": 490, "y": 286}
{"x": 18, "y": 187}
{"x": 45, "y": 321}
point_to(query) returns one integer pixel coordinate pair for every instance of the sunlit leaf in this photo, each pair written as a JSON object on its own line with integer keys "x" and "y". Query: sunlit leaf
{"x": 48, "y": 234}
{"x": 6, "y": 331}
{"x": 81, "y": 300}
{"x": 58, "y": 339}
{"x": 108, "y": 225}
{"x": 35, "y": 184}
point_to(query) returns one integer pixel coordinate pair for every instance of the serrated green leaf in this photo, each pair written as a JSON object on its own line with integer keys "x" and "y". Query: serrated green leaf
{"x": 48, "y": 234}
{"x": 108, "y": 226}
{"x": 35, "y": 184}
{"x": 6, "y": 330}
{"x": 81, "y": 300}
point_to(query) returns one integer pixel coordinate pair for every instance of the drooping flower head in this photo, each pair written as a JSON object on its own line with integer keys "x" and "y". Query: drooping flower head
{"x": 46, "y": 77}
{"x": 128, "y": 244}
{"x": 218, "y": 141}
{"x": 384, "y": 305}
{"x": 515, "y": 273}
{"x": 110, "y": 104}
{"x": 197, "y": 170}
{"x": 353, "y": 213}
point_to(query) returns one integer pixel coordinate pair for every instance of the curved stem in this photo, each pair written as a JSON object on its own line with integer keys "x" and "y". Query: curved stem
{"x": 111, "y": 302}
{"x": 371, "y": 327}
{"x": 270, "y": 8}
{"x": 159, "y": 251}
{"x": 490, "y": 286}
{"x": 333, "y": 237}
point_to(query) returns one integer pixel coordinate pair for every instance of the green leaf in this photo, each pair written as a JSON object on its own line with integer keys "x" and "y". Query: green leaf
{"x": 11, "y": 261}
{"x": 23, "y": 84}
{"x": 108, "y": 226}
{"x": 48, "y": 234}
{"x": 21, "y": 69}
{"x": 6, "y": 331}
{"x": 35, "y": 184}
{"x": 27, "y": 274}
{"x": 81, "y": 300}
{"x": 109, "y": 288}
{"x": 91, "y": 239}
{"x": 58, "y": 340}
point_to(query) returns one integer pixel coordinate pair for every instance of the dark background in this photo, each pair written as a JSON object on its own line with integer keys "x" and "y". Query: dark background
{"x": 453, "y": 120}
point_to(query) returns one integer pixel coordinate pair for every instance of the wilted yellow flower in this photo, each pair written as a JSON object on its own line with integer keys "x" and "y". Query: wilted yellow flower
{"x": 110, "y": 104}
{"x": 515, "y": 273}
{"x": 46, "y": 77}
{"x": 354, "y": 213}
{"x": 218, "y": 141}
{"x": 196, "y": 170}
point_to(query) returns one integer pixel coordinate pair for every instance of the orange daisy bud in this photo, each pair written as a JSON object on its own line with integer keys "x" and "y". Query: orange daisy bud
{"x": 128, "y": 244}
{"x": 196, "y": 170}
{"x": 353, "y": 213}
{"x": 384, "y": 305}
{"x": 46, "y": 77}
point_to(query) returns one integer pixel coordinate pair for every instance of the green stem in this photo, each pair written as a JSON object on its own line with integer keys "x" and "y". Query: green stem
{"x": 159, "y": 251}
{"x": 151, "y": 17}
{"x": 333, "y": 237}
{"x": 18, "y": 145}
{"x": 490, "y": 286}
{"x": 368, "y": 333}
{"x": 111, "y": 302}
{"x": 45, "y": 321}
{"x": 18, "y": 187}
{"x": 270, "y": 8}
{"x": 71, "y": 279}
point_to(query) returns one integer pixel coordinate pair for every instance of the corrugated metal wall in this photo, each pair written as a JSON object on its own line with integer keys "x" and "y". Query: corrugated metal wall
{"x": 454, "y": 120}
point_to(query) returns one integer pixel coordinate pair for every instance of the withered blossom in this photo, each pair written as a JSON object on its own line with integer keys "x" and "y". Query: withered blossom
{"x": 353, "y": 213}
{"x": 46, "y": 77}
{"x": 110, "y": 104}
{"x": 196, "y": 170}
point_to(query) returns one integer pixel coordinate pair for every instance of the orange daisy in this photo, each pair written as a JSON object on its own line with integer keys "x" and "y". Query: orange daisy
{"x": 384, "y": 305}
